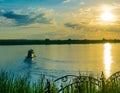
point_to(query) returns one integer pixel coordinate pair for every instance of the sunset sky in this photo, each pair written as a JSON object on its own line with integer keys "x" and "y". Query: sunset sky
{"x": 59, "y": 19}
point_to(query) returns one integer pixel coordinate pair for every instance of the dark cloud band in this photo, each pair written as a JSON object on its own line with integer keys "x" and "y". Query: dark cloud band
{"x": 23, "y": 19}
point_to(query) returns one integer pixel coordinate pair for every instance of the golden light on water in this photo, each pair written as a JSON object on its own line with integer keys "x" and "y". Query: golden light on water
{"x": 107, "y": 59}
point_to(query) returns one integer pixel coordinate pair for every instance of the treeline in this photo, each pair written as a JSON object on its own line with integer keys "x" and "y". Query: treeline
{"x": 48, "y": 41}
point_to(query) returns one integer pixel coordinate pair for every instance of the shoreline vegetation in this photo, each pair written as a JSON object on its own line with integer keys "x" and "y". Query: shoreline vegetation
{"x": 81, "y": 84}
{"x": 52, "y": 42}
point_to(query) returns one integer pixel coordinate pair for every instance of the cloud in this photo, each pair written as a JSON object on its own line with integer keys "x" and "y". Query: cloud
{"x": 74, "y": 26}
{"x": 78, "y": 26}
{"x": 66, "y": 1}
{"x": 21, "y": 18}
{"x": 6, "y": 22}
{"x": 82, "y": 3}
{"x": 86, "y": 27}
{"x": 2, "y": 11}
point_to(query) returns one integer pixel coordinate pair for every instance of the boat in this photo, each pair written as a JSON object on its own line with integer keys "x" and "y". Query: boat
{"x": 30, "y": 56}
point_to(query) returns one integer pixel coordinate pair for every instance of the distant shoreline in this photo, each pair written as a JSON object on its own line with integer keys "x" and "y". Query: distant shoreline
{"x": 53, "y": 42}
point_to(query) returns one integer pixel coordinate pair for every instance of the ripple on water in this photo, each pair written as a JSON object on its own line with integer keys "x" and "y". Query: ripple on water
{"x": 36, "y": 68}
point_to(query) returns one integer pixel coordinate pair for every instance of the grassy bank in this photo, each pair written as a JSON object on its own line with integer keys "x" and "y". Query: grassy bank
{"x": 12, "y": 84}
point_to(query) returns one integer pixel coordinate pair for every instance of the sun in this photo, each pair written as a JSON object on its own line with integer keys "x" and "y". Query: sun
{"x": 107, "y": 15}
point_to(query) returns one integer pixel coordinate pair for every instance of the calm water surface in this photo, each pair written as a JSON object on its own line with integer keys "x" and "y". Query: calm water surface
{"x": 58, "y": 60}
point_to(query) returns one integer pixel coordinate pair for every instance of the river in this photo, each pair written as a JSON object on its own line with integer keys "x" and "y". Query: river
{"x": 58, "y": 60}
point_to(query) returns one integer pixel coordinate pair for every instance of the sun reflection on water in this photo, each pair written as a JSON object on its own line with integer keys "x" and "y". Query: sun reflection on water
{"x": 107, "y": 59}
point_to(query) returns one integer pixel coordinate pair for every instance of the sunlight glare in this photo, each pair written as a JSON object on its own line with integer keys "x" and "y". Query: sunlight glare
{"x": 107, "y": 59}
{"x": 107, "y": 15}
{"x": 106, "y": 8}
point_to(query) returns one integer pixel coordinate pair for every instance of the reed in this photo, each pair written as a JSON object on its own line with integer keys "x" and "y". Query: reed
{"x": 12, "y": 84}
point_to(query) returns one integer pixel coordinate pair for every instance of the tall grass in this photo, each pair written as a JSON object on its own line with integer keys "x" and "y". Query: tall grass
{"x": 13, "y": 84}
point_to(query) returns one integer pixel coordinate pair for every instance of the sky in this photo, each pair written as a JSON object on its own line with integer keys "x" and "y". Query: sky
{"x": 59, "y": 19}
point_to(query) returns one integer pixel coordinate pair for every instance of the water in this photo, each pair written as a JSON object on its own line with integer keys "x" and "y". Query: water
{"x": 58, "y": 60}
